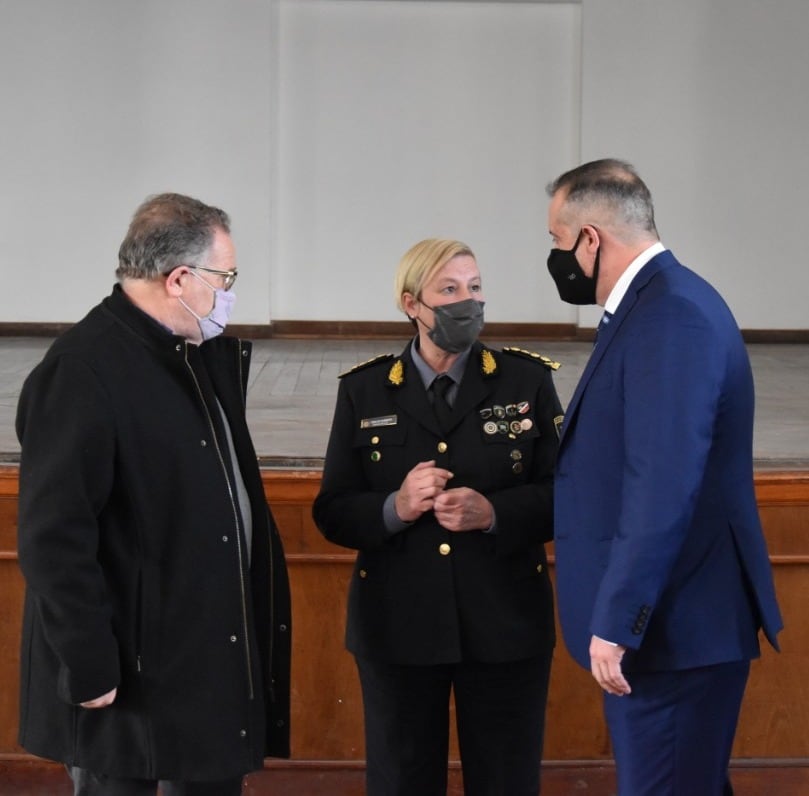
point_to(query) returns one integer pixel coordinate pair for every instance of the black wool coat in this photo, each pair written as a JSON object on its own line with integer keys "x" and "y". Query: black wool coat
{"x": 426, "y": 595}
{"x": 132, "y": 547}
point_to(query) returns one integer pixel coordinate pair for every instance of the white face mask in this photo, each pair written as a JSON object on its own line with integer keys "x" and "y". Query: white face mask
{"x": 214, "y": 323}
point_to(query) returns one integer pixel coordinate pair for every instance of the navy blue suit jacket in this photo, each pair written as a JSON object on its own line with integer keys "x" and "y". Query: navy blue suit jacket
{"x": 658, "y": 541}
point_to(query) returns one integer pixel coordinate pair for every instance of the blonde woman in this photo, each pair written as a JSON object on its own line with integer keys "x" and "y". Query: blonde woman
{"x": 439, "y": 472}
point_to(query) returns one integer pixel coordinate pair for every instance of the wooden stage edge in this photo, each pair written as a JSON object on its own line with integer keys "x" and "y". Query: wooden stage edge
{"x": 24, "y": 776}
{"x": 770, "y": 754}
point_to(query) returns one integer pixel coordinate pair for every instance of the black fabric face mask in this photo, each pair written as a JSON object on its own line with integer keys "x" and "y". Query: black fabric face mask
{"x": 574, "y": 286}
{"x": 457, "y": 325}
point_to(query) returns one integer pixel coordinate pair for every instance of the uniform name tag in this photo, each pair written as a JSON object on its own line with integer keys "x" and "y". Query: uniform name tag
{"x": 376, "y": 422}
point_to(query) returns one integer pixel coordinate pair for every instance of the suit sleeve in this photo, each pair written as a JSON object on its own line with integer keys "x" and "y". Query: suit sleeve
{"x": 673, "y": 371}
{"x": 65, "y": 428}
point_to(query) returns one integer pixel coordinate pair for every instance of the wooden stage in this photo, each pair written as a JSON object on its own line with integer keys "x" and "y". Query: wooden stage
{"x": 290, "y": 402}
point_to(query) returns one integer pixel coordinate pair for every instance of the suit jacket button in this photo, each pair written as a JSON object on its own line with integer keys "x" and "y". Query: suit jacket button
{"x": 539, "y": 568}
{"x": 363, "y": 573}
{"x": 444, "y": 549}
{"x": 442, "y": 447}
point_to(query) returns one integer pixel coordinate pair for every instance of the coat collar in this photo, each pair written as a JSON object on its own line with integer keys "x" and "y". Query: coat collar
{"x": 154, "y": 334}
{"x": 136, "y": 320}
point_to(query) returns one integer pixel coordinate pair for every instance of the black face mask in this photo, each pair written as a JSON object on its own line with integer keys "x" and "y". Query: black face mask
{"x": 456, "y": 326}
{"x": 574, "y": 286}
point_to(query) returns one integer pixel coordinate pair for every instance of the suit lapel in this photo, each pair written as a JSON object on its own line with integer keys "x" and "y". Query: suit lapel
{"x": 608, "y": 332}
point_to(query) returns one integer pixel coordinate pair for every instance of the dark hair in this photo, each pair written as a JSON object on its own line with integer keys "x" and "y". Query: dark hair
{"x": 168, "y": 230}
{"x": 613, "y": 186}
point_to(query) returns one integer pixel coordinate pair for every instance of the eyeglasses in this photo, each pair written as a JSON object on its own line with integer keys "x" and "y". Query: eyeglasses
{"x": 229, "y": 276}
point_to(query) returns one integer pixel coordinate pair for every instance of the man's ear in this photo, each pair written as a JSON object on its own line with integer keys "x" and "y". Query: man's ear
{"x": 173, "y": 281}
{"x": 591, "y": 238}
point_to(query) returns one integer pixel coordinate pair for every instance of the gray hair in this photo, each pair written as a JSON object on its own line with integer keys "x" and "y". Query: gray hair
{"x": 608, "y": 191}
{"x": 168, "y": 230}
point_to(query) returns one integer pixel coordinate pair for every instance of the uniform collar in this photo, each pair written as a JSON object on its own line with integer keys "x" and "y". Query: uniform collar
{"x": 428, "y": 375}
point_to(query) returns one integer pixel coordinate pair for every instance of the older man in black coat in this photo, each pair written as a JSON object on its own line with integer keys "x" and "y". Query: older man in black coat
{"x": 156, "y": 631}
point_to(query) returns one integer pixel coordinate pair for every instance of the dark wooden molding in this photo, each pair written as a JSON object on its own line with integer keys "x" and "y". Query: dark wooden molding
{"x": 775, "y": 335}
{"x": 33, "y": 329}
{"x": 400, "y": 330}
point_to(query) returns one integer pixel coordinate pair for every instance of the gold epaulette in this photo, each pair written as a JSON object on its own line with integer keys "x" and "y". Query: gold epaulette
{"x": 533, "y": 355}
{"x": 367, "y": 364}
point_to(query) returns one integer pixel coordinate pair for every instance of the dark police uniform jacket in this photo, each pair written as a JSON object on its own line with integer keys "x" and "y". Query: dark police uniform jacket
{"x": 131, "y": 544}
{"x": 426, "y": 595}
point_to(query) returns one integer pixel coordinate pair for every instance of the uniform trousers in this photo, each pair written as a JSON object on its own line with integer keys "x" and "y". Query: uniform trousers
{"x": 86, "y": 783}
{"x": 500, "y": 714}
{"x": 672, "y": 736}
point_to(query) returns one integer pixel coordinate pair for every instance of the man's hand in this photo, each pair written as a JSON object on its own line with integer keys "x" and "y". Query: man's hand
{"x": 418, "y": 490}
{"x": 605, "y": 664}
{"x": 102, "y": 701}
{"x": 463, "y": 509}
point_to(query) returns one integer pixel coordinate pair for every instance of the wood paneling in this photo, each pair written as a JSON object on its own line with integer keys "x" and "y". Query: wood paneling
{"x": 749, "y": 778}
{"x": 327, "y": 709}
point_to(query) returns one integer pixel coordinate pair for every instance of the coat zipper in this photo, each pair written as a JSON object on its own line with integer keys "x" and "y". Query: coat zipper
{"x": 271, "y": 644}
{"x": 236, "y": 521}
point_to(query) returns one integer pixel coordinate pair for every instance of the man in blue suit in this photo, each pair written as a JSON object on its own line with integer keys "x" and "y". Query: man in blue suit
{"x": 663, "y": 575}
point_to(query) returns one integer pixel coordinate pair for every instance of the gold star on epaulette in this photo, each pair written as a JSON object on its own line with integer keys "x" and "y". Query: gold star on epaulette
{"x": 366, "y": 364}
{"x": 522, "y": 352}
{"x": 488, "y": 364}
{"x": 396, "y": 374}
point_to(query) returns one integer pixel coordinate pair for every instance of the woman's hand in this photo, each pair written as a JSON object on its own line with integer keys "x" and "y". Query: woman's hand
{"x": 463, "y": 509}
{"x": 419, "y": 489}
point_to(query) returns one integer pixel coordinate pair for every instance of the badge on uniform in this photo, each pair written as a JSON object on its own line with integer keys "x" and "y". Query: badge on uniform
{"x": 504, "y": 419}
{"x": 379, "y": 422}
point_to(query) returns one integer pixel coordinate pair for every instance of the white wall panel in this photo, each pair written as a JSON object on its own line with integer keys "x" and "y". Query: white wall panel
{"x": 709, "y": 100}
{"x": 406, "y": 120}
{"x": 106, "y": 101}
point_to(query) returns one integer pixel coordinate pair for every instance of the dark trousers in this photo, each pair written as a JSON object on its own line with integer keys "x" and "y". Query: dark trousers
{"x": 86, "y": 783}
{"x": 500, "y": 714}
{"x": 672, "y": 736}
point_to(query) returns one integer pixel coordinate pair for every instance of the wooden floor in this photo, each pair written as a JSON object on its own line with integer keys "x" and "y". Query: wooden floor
{"x": 293, "y": 385}
{"x": 567, "y": 779}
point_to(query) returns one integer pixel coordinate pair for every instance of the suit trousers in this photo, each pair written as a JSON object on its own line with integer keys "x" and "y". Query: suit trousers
{"x": 672, "y": 736}
{"x": 500, "y": 715}
{"x": 87, "y": 783}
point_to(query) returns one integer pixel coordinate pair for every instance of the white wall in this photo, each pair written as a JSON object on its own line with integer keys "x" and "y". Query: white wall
{"x": 106, "y": 101}
{"x": 401, "y": 121}
{"x": 338, "y": 132}
{"x": 709, "y": 100}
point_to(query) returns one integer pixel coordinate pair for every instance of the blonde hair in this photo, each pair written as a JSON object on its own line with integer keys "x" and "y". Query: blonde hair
{"x": 421, "y": 262}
